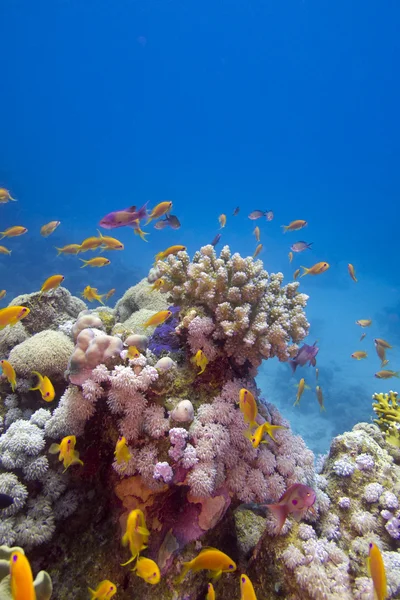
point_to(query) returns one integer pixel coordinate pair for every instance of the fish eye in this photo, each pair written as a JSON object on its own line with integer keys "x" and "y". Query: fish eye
{"x": 231, "y": 566}
{"x": 47, "y": 394}
{"x": 243, "y": 580}
{"x": 69, "y": 441}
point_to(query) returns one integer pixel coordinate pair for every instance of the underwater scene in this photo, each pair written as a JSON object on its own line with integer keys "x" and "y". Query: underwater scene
{"x": 199, "y": 300}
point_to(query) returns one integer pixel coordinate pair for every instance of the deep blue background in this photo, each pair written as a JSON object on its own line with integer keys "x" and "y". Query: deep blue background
{"x": 286, "y": 105}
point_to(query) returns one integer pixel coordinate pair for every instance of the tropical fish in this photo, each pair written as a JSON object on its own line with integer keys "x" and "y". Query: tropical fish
{"x": 246, "y": 589}
{"x": 248, "y": 406}
{"x": 51, "y": 283}
{"x": 48, "y": 229}
{"x": 376, "y": 569}
{"x": 169, "y": 221}
{"x": 383, "y": 343}
{"x": 9, "y": 372}
{"x": 133, "y": 352}
{"x": 297, "y": 499}
{"x": 210, "y": 592}
{"x": 12, "y": 314}
{"x": 110, "y": 243}
{"x": 158, "y": 319}
{"x": 381, "y": 352}
{"x": 157, "y": 285}
{"x": 304, "y": 355}
{"x": 110, "y": 293}
{"x": 91, "y": 243}
{"x": 67, "y": 451}
{"x": 136, "y": 534}
{"x": 45, "y": 387}
{"x": 4, "y": 250}
{"x": 296, "y": 274}
{"x": 5, "y": 196}
{"x": 90, "y": 294}
{"x": 300, "y": 246}
{"x": 362, "y": 336}
{"x": 290, "y": 256}
{"x": 124, "y": 217}
{"x": 211, "y": 559}
{"x": 158, "y": 211}
{"x": 236, "y": 211}
{"x": 105, "y": 590}
{"x": 364, "y": 322}
{"x": 2, "y": 294}
{"x": 21, "y": 578}
{"x": 222, "y": 220}
{"x": 387, "y": 374}
{"x": 147, "y": 569}
{"x": 257, "y": 233}
{"x": 13, "y": 231}
{"x": 269, "y": 429}
{"x": 216, "y": 240}
{"x": 121, "y": 452}
{"x": 201, "y": 360}
{"x": 300, "y": 389}
{"x": 98, "y": 261}
{"x": 352, "y": 272}
{"x": 316, "y": 269}
{"x": 5, "y": 501}
{"x": 169, "y": 251}
{"x": 137, "y": 231}
{"x": 257, "y": 250}
{"x": 269, "y": 215}
{"x": 359, "y": 354}
{"x": 69, "y": 249}
{"x": 320, "y": 398}
{"x": 294, "y": 225}
{"x": 257, "y": 214}
{"x": 316, "y": 373}
{"x": 256, "y": 438}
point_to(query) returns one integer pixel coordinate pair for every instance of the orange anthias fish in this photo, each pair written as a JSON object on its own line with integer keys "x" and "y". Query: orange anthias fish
{"x": 320, "y": 398}
{"x": 210, "y": 559}
{"x": 91, "y": 243}
{"x": 168, "y": 252}
{"x": 364, "y": 322}
{"x": 383, "y": 343}
{"x": 158, "y": 319}
{"x": 99, "y": 261}
{"x": 257, "y": 250}
{"x": 158, "y": 211}
{"x": 110, "y": 293}
{"x": 387, "y": 374}
{"x": 9, "y": 372}
{"x": 4, "y": 250}
{"x": 105, "y": 590}
{"x": 21, "y": 577}
{"x": 48, "y": 229}
{"x": 2, "y": 294}
{"x": 67, "y": 451}
{"x": 222, "y": 220}
{"x": 45, "y": 387}
{"x": 376, "y": 569}
{"x": 352, "y": 272}
{"x": 246, "y": 589}
{"x": 12, "y": 314}
{"x": 359, "y": 354}
{"x": 13, "y": 231}
{"x": 210, "y": 592}
{"x": 294, "y": 225}
{"x": 5, "y": 196}
{"x": 136, "y": 534}
{"x": 248, "y": 407}
{"x": 157, "y": 285}
{"x": 317, "y": 269}
{"x": 296, "y": 501}
{"x": 90, "y": 294}
{"x": 133, "y": 352}
{"x": 148, "y": 570}
{"x": 201, "y": 360}
{"x": 300, "y": 389}
{"x": 51, "y": 283}
{"x": 121, "y": 452}
{"x": 69, "y": 249}
{"x": 290, "y": 256}
{"x": 296, "y": 274}
{"x": 110, "y": 243}
{"x": 257, "y": 233}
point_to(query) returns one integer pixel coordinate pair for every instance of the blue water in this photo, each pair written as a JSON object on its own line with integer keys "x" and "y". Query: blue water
{"x": 290, "y": 106}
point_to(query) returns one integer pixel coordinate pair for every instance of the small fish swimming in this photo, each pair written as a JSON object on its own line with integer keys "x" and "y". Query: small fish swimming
{"x": 69, "y": 249}
{"x": 257, "y": 214}
{"x": 201, "y": 360}
{"x": 136, "y": 534}
{"x": 21, "y": 578}
{"x": 305, "y": 354}
{"x": 316, "y": 373}
{"x": 66, "y": 449}
{"x": 387, "y": 374}
{"x": 123, "y": 218}
{"x": 5, "y": 501}
{"x": 109, "y": 243}
{"x": 257, "y": 250}
{"x": 2, "y": 294}
{"x": 290, "y": 256}
{"x": 138, "y": 231}
{"x": 169, "y": 251}
{"x": 98, "y": 261}
{"x": 246, "y": 589}
{"x": 352, "y": 272}
{"x": 5, "y": 196}
{"x": 316, "y": 269}
{"x": 383, "y": 343}
{"x": 169, "y": 221}
{"x": 51, "y": 283}
{"x": 236, "y": 211}
{"x": 132, "y": 352}
{"x": 294, "y": 225}
{"x": 300, "y": 246}
{"x": 105, "y": 590}
{"x": 110, "y": 293}
{"x": 381, "y": 352}
{"x": 12, "y": 314}
{"x": 222, "y": 220}
{"x": 45, "y": 387}
{"x": 148, "y": 570}
{"x": 121, "y": 452}
{"x": 209, "y": 559}
{"x": 158, "y": 284}
{"x": 158, "y": 211}
{"x": 320, "y": 398}
{"x": 257, "y": 233}
{"x": 49, "y": 228}
{"x": 296, "y": 501}
{"x": 362, "y": 336}
{"x": 90, "y": 294}
{"x": 376, "y": 570}
{"x": 359, "y": 354}
{"x": 158, "y": 319}
{"x": 300, "y": 389}
{"x": 248, "y": 407}
{"x": 296, "y": 274}
{"x": 14, "y": 231}
{"x": 9, "y": 372}
{"x": 216, "y": 240}
{"x": 364, "y": 322}
{"x": 210, "y": 592}
{"x": 91, "y": 243}
{"x": 269, "y": 215}
{"x": 4, "y": 250}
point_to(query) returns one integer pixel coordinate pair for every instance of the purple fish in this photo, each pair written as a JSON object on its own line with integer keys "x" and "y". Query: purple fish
{"x": 216, "y": 240}
{"x": 257, "y": 214}
{"x": 269, "y": 214}
{"x": 301, "y": 246}
{"x": 236, "y": 211}
{"x": 169, "y": 221}
{"x": 123, "y": 218}
{"x": 305, "y": 354}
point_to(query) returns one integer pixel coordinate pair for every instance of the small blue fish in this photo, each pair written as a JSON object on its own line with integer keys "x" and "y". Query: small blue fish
{"x": 216, "y": 240}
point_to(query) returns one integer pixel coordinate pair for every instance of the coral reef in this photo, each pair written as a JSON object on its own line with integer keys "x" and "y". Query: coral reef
{"x": 387, "y": 410}
{"x": 138, "y": 297}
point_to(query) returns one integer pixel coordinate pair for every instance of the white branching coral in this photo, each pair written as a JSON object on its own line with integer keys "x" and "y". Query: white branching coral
{"x": 249, "y": 314}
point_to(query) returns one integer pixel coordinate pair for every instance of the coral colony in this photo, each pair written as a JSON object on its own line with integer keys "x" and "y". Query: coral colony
{"x": 169, "y": 395}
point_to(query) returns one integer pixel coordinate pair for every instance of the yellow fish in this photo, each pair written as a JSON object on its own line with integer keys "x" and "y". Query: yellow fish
{"x": 4, "y": 250}
{"x": 157, "y": 284}
{"x": 121, "y": 452}
{"x": 294, "y": 225}
{"x": 257, "y": 250}
{"x": 364, "y": 322}
{"x": 99, "y": 261}
{"x": 110, "y": 243}
{"x": 169, "y": 251}
{"x": 12, "y": 314}
{"x": 380, "y": 342}
{"x": 269, "y": 429}
{"x": 222, "y": 220}
{"x": 67, "y": 451}
{"x": 201, "y": 360}
{"x": 69, "y": 249}
{"x": 51, "y": 283}
{"x": 9, "y": 372}
{"x": 2, "y": 294}
{"x": 110, "y": 293}
{"x": 5, "y": 196}
{"x": 90, "y": 294}
{"x": 48, "y": 229}
{"x": 257, "y": 233}
{"x": 352, "y": 272}
{"x": 248, "y": 407}
{"x": 45, "y": 387}
{"x": 376, "y": 569}
{"x": 137, "y": 231}
{"x": 210, "y": 592}
{"x": 105, "y": 590}
{"x": 91, "y": 243}
{"x": 136, "y": 534}
{"x": 158, "y": 319}
{"x": 13, "y": 231}
{"x": 147, "y": 569}
{"x": 158, "y": 211}
{"x": 359, "y": 354}
{"x": 133, "y": 352}
{"x": 320, "y": 398}
{"x": 296, "y": 274}
{"x": 381, "y": 352}
{"x": 246, "y": 589}
{"x": 300, "y": 389}
{"x": 387, "y": 374}
{"x": 290, "y": 255}
{"x": 316, "y": 269}
{"x": 210, "y": 559}
{"x": 21, "y": 577}
{"x": 256, "y": 438}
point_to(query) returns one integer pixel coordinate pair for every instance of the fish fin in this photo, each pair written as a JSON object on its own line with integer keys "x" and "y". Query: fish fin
{"x": 307, "y": 387}
{"x": 306, "y": 270}
{"x": 280, "y": 512}
{"x": 92, "y": 593}
{"x": 130, "y": 209}
{"x": 217, "y": 575}
{"x": 309, "y": 245}
{"x": 100, "y": 234}
{"x": 285, "y": 228}
{"x": 298, "y": 514}
{"x": 313, "y": 362}
{"x": 84, "y": 261}
{"x": 293, "y": 366}
{"x": 143, "y": 531}
{"x": 142, "y": 212}
{"x": 129, "y": 561}
{"x": 3, "y": 235}
{"x": 54, "y": 449}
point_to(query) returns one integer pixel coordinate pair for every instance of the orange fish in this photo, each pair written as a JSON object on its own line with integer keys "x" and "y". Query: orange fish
{"x": 12, "y": 314}
{"x": 48, "y": 229}
{"x": 13, "y": 231}
{"x": 67, "y": 451}
{"x": 222, "y": 220}
{"x": 296, "y": 274}
{"x": 359, "y": 354}
{"x": 364, "y": 322}
{"x": 257, "y": 250}
{"x": 2, "y": 294}
{"x": 246, "y": 589}
{"x": 91, "y": 243}
{"x": 9, "y": 372}
{"x": 169, "y": 251}
{"x": 110, "y": 293}
{"x": 5, "y": 196}
{"x": 158, "y": 211}
{"x": 69, "y": 249}
{"x": 376, "y": 569}
{"x": 99, "y": 261}
{"x": 136, "y": 534}
{"x": 352, "y": 272}
{"x": 257, "y": 233}
{"x": 21, "y": 577}
{"x": 296, "y": 501}
{"x": 316, "y": 269}
{"x": 110, "y": 243}
{"x": 248, "y": 407}
{"x": 290, "y": 255}
{"x": 158, "y": 319}
{"x": 294, "y": 225}
{"x": 4, "y": 250}
{"x": 51, "y": 283}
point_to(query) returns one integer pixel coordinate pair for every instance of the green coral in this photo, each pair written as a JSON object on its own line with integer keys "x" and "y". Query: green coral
{"x": 42, "y": 584}
{"x": 387, "y": 409}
